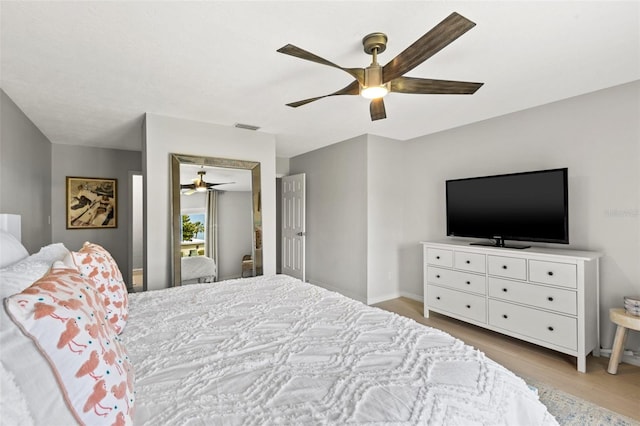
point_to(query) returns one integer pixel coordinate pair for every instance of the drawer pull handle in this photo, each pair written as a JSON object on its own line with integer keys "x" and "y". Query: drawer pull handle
{"x": 468, "y": 282}
{"x": 437, "y": 276}
{"x": 468, "y": 306}
{"x": 505, "y": 316}
{"x": 550, "y": 273}
{"x": 504, "y": 266}
{"x": 504, "y": 289}
{"x": 438, "y": 297}
{"x": 550, "y": 328}
{"x": 438, "y": 257}
{"x": 468, "y": 262}
{"x": 550, "y": 299}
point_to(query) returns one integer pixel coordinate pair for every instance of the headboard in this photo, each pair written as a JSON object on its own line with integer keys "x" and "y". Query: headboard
{"x": 11, "y": 224}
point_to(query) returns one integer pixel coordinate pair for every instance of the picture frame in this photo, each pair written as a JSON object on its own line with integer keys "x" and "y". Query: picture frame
{"x": 91, "y": 203}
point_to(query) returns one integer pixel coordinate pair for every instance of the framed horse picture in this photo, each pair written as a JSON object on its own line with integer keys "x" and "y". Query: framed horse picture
{"x": 91, "y": 203}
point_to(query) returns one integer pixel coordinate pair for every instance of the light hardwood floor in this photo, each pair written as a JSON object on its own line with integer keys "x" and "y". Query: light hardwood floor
{"x": 137, "y": 280}
{"x": 619, "y": 393}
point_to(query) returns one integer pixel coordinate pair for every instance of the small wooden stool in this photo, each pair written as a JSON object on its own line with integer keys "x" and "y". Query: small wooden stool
{"x": 624, "y": 321}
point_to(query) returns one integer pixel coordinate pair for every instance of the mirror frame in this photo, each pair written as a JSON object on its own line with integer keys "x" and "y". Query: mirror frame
{"x": 253, "y": 166}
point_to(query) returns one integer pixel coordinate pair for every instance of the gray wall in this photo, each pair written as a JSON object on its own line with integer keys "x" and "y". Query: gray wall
{"x": 336, "y": 207}
{"x": 597, "y": 136}
{"x": 354, "y": 209}
{"x": 25, "y": 174}
{"x": 234, "y": 232}
{"x": 137, "y": 222}
{"x": 69, "y": 160}
{"x": 385, "y": 195}
{"x": 371, "y": 201}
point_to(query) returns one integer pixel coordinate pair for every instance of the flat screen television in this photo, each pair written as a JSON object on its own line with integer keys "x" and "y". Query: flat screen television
{"x": 528, "y": 206}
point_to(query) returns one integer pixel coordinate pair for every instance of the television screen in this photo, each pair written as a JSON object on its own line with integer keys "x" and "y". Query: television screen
{"x": 529, "y": 206}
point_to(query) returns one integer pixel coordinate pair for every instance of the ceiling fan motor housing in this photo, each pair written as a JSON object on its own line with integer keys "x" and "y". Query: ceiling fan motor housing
{"x": 373, "y": 75}
{"x": 374, "y": 42}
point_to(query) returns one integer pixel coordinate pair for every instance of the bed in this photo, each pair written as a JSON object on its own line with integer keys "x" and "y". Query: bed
{"x": 198, "y": 269}
{"x": 262, "y": 350}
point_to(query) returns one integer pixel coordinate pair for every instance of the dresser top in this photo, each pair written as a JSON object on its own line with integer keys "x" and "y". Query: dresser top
{"x": 503, "y": 251}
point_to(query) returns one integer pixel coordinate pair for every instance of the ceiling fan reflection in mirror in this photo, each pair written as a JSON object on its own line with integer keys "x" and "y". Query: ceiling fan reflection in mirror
{"x": 375, "y": 81}
{"x": 199, "y": 184}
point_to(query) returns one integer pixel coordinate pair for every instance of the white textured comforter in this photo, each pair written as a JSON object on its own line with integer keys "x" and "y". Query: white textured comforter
{"x": 270, "y": 350}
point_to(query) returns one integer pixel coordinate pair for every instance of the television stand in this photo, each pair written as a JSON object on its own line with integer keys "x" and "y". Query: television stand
{"x": 545, "y": 296}
{"x": 499, "y": 242}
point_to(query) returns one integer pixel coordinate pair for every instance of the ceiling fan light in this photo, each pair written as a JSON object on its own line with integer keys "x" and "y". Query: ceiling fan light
{"x": 373, "y": 86}
{"x": 201, "y": 188}
{"x": 374, "y": 92}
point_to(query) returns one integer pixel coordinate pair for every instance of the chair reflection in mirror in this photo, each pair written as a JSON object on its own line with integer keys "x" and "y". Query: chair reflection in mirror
{"x": 247, "y": 265}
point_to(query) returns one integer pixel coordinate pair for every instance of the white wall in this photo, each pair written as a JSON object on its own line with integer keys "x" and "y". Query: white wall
{"x": 166, "y": 135}
{"x": 597, "y": 136}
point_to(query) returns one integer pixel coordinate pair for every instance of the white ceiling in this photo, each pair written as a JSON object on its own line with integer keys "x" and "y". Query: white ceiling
{"x": 86, "y": 72}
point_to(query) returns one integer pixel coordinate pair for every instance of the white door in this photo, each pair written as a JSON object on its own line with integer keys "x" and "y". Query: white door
{"x": 293, "y": 225}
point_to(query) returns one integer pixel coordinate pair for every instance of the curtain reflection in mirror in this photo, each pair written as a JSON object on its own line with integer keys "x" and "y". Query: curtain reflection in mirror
{"x": 211, "y": 227}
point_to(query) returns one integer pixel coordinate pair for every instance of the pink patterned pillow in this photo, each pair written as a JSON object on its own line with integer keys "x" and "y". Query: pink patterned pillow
{"x": 96, "y": 263}
{"x": 65, "y": 318}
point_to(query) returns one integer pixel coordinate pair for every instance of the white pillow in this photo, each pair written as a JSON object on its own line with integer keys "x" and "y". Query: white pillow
{"x": 20, "y": 356}
{"x": 13, "y": 404}
{"x": 20, "y": 275}
{"x": 11, "y": 250}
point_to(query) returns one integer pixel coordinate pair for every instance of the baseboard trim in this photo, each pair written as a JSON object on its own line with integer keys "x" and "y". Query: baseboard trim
{"x": 628, "y": 357}
{"x": 412, "y": 296}
{"x": 337, "y": 290}
{"x": 374, "y": 300}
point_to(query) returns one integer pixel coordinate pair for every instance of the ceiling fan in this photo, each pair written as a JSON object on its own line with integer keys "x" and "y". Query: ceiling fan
{"x": 375, "y": 81}
{"x": 199, "y": 184}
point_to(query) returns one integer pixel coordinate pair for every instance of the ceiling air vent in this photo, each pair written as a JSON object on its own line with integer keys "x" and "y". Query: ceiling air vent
{"x": 245, "y": 126}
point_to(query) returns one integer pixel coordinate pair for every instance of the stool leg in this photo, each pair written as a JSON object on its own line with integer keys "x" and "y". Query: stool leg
{"x": 618, "y": 349}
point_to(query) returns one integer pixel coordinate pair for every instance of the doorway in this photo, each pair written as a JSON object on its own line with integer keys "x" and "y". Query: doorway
{"x": 136, "y": 239}
{"x": 293, "y": 225}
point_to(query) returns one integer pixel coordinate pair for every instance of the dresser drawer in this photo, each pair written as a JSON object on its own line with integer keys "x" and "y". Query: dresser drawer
{"x": 560, "y": 274}
{"x": 456, "y": 279}
{"x": 457, "y": 302}
{"x": 440, "y": 257}
{"x": 554, "y": 299}
{"x": 470, "y": 261}
{"x": 546, "y": 326}
{"x": 509, "y": 267}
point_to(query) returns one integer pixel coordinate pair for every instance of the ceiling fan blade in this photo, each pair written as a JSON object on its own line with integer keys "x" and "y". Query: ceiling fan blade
{"x": 351, "y": 89}
{"x": 210, "y": 185}
{"x": 426, "y": 46}
{"x": 290, "y": 49}
{"x": 376, "y": 108}
{"x": 187, "y": 186}
{"x": 428, "y": 86}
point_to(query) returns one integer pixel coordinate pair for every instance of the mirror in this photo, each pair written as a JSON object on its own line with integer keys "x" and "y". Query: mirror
{"x": 196, "y": 259}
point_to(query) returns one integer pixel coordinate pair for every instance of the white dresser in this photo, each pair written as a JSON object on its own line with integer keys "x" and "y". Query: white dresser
{"x": 544, "y": 296}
